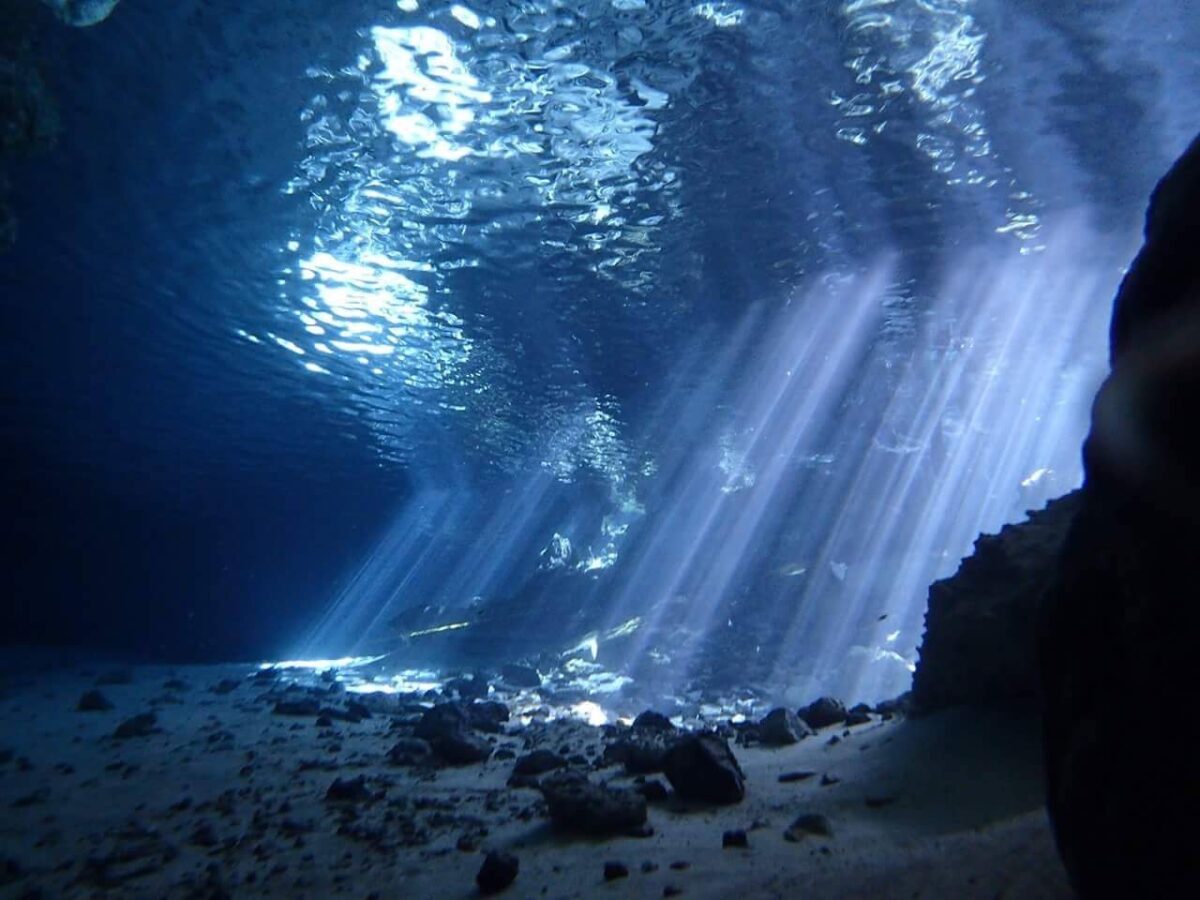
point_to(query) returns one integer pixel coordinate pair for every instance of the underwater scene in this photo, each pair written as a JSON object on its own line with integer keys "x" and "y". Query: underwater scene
{"x": 585, "y": 447}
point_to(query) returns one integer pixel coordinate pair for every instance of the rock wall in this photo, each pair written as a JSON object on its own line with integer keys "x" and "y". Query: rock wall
{"x": 980, "y": 637}
{"x": 1118, "y": 638}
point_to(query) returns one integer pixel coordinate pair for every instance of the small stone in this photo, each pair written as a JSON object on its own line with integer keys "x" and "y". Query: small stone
{"x": 93, "y": 701}
{"x": 680, "y": 864}
{"x": 539, "y": 762}
{"x": 672, "y": 890}
{"x": 789, "y": 777}
{"x": 878, "y": 802}
{"x": 224, "y": 686}
{"x": 808, "y": 824}
{"x": 827, "y": 780}
{"x": 615, "y": 870}
{"x": 649, "y": 866}
{"x": 349, "y": 790}
{"x": 141, "y": 725}
{"x": 308, "y": 706}
{"x": 735, "y": 838}
{"x": 498, "y": 871}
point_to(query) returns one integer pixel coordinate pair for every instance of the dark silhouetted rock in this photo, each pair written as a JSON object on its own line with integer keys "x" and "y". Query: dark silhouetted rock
{"x": 735, "y": 838}
{"x": 823, "y": 712}
{"x": 224, "y": 686}
{"x": 577, "y": 804}
{"x": 640, "y": 752}
{"x": 520, "y": 676}
{"x": 410, "y": 752}
{"x": 652, "y": 721}
{"x": 304, "y": 706}
{"x": 442, "y": 720}
{"x": 615, "y": 870}
{"x": 808, "y": 824}
{"x": 702, "y": 767}
{"x": 93, "y": 701}
{"x": 487, "y": 715}
{"x": 857, "y": 717}
{"x": 539, "y": 762}
{"x": 1119, "y": 626}
{"x": 653, "y": 790}
{"x": 349, "y": 790}
{"x": 468, "y": 688}
{"x": 781, "y": 726}
{"x": 461, "y": 748}
{"x": 142, "y": 725}
{"x": 980, "y": 637}
{"x": 498, "y": 871}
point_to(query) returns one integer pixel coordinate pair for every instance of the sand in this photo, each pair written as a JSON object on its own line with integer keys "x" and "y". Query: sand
{"x": 226, "y": 798}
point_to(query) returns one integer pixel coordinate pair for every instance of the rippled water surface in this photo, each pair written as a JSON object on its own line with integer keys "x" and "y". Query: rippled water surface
{"x": 797, "y": 263}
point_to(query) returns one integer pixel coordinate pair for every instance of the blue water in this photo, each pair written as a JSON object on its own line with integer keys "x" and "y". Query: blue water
{"x": 702, "y": 336}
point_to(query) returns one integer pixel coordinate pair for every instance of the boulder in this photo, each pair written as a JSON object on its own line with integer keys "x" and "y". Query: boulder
{"x": 1119, "y": 623}
{"x": 577, "y": 804}
{"x": 702, "y": 767}
{"x": 823, "y": 712}
{"x": 781, "y": 726}
{"x": 498, "y": 871}
{"x": 539, "y": 762}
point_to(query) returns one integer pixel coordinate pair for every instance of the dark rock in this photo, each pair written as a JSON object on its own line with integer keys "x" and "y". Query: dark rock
{"x": 504, "y": 753}
{"x": 442, "y": 720}
{"x": 736, "y": 838}
{"x": 680, "y": 864}
{"x": 649, "y": 866}
{"x": 498, "y": 871}
{"x": 702, "y": 767}
{"x": 823, "y": 712}
{"x": 895, "y": 706}
{"x": 653, "y": 790}
{"x": 305, "y": 706}
{"x": 782, "y": 726}
{"x": 1119, "y": 625}
{"x": 672, "y": 890}
{"x": 520, "y": 676}
{"x": 857, "y": 717}
{"x": 981, "y": 624}
{"x": 324, "y": 722}
{"x": 539, "y": 762}
{"x": 127, "y": 852}
{"x": 468, "y": 688}
{"x": 350, "y": 790}
{"x": 652, "y": 721}
{"x": 224, "y": 686}
{"x": 808, "y": 824}
{"x": 641, "y": 752}
{"x": 615, "y": 870}
{"x": 789, "y": 777}
{"x": 93, "y": 701}
{"x": 204, "y": 835}
{"x": 879, "y": 802}
{"x": 142, "y": 725}
{"x": 487, "y": 715}
{"x": 827, "y": 780}
{"x": 410, "y": 752}
{"x": 860, "y": 708}
{"x": 577, "y": 804}
{"x": 461, "y": 748}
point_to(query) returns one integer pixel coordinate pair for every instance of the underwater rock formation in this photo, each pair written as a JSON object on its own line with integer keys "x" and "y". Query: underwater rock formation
{"x": 1117, "y": 656}
{"x": 81, "y": 13}
{"x": 980, "y": 637}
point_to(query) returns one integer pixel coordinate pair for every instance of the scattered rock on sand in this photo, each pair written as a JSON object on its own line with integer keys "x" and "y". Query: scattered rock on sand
{"x": 824, "y": 712}
{"x": 641, "y": 752}
{"x": 141, "y": 725}
{"x": 487, "y": 715}
{"x": 702, "y": 767}
{"x": 410, "y": 752}
{"x": 349, "y": 790}
{"x": 498, "y": 871}
{"x": 577, "y": 804}
{"x": 306, "y": 706}
{"x": 808, "y": 824}
{"x": 614, "y": 870}
{"x": 652, "y": 721}
{"x": 93, "y": 701}
{"x": 735, "y": 838}
{"x": 539, "y": 762}
{"x": 781, "y": 727}
{"x": 520, "y": 676}
{"x": 461, "y": 748}
{"x": 789, "y": 777}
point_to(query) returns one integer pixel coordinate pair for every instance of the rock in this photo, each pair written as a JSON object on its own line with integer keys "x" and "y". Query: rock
{"x": 577, "y": 804}
{"x": 1117, "y": 636}
{"x": 349, "y": 790}
{"x": 672, "y": 890}
{"x": 142, "y": 725}
{"x": 224, "y": 686}
{"x": 827, "y": 780}
{"x": 487, "y": 715}
{"x": 781, "y": 727}
{"x": 127, "y": 852}
{"x": 473, "y": 688}
{"x": 857, "y": 717}
{"x": 498, "y": 871}
{"x": 204, "y": 835}
{"x": 652, "y": 721}
{"x": 653, "y": 790}
{"x": 93, "y": 701}
{"x": 442, "y": 720}
{"x": 808, "y": 824}
{"x": 981, "y": 625}
{"x": 789, "y": 777}
{"x": 410, "y": 752}
{"x": 461, "y": 748}
{"x": 615, "y": 870}
{"x": 306, "y": 706}
{"x": 702, "y": 767}
{"x": 520, "y": 676}
{"x": 823, "y": 712}
{"x": 641, "y": 752}
{"x": 736, "y": 838}
{"x": 539, "y": 762}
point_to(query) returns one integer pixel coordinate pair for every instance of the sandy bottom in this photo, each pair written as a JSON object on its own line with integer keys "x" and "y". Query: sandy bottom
{"x": 228, "y": 800}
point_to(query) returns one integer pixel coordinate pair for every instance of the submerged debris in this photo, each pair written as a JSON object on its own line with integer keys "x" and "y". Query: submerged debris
{"x": 702, "y": 767}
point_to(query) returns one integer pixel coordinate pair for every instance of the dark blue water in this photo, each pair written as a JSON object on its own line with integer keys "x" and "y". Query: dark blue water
{"x": 735, "y": 321}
